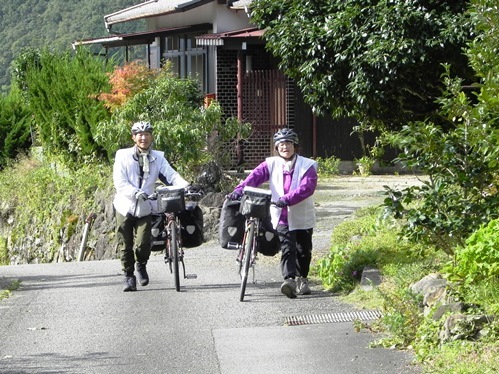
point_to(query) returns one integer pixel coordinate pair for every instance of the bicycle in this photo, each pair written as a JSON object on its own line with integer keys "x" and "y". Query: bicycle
{"x": 171, "y": 200}
{"x": 255, "y": 206}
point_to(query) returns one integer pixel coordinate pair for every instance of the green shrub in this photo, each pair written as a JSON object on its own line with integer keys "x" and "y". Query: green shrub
{"x": 328, "y": 166}
{"x": 474, "y": 272}
{"x": 364, "y": 165}
{"x": 479, "y": 260}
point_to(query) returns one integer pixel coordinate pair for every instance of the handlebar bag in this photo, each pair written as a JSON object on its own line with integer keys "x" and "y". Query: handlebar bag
{"x": 255, "y": 202}
{"x": 231, "y": 224}
{"x": 170, "y": 199}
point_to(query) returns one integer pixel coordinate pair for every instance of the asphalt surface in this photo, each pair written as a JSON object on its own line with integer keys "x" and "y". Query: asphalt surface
{"x": 74, "y": 317}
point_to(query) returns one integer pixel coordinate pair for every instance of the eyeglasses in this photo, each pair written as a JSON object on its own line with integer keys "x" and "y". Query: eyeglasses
{"x": 285, "y": 143}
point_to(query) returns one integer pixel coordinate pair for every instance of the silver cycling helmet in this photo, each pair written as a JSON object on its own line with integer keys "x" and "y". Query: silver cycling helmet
{"x": 286, "y": 135}
{"x": 141, "y": 126}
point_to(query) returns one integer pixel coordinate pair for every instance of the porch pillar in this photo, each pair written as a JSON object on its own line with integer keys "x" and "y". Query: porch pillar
{"x": 240, "y": 72}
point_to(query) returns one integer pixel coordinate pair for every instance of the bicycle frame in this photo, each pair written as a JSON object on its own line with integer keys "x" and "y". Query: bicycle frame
{"x": 174, "y": 253}
{"x": 248, "y": 253}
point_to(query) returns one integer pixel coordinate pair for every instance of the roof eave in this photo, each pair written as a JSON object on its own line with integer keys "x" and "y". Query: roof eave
{"x": 126, "y": 15}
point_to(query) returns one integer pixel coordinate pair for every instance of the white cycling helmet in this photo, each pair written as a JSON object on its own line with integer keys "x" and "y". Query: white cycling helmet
{"x": 141, "y": 126}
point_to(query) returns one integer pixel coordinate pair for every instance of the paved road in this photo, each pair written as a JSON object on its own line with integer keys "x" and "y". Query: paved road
{"x": 74, "y": 318}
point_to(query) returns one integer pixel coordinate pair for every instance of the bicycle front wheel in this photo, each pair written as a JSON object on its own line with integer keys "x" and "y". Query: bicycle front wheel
{"x": 174, "y": 255}
{"x": 246, "y": 260}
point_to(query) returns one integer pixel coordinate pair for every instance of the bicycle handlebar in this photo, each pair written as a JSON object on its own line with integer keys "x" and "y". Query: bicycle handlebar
{"x": 239, "y": 199}
{"x": 198, "y": 194}
{"x": 154, "y": 195}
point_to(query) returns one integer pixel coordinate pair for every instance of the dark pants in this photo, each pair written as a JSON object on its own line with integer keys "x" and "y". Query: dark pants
{"x": 296, "y": 248}
{"x": 134, "y": 240}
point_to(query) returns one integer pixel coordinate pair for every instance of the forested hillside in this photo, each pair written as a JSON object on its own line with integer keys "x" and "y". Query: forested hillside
{"x": 51, "y": 23}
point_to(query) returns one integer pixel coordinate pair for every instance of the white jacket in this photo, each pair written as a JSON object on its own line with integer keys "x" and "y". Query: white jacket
{"x": 301, "y": 216}
{"x": 126, "y": 177}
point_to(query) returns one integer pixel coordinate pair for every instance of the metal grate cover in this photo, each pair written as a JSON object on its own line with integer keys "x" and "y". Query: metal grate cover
{"x": 364, "y": 315}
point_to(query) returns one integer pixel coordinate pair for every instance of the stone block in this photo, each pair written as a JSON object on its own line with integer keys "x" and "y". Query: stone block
{"x": 371, "y": 277}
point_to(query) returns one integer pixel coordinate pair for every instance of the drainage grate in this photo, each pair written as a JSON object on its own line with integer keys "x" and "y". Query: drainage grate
{"x": 364, "y": 315}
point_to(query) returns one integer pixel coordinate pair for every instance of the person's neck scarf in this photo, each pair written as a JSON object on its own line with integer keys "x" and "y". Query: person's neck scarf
{"x": 144, "y": 162}
{"x": 289, "y": 164}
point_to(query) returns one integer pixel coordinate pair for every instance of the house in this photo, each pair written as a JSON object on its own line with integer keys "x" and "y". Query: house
{"x": 215, "y": 41}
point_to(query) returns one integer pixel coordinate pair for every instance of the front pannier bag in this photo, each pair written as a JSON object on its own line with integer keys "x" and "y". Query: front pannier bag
{"x": 191, "y": 225}
{"x": 255, "y": 202}
{"x": 231, "y": 225}
{"x": 267, "y": 241}
{"x": 158, "y": 235}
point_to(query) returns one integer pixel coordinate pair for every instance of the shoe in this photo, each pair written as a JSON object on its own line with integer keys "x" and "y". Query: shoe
{"x": 130, "y": 284}
{"x": 288, "y": 288}
{"x": 303, "y": 288}
{"x": 142, "y": 273}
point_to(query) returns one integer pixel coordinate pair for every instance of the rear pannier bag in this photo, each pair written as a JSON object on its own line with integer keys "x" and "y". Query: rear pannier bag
{"x": 191, "y": 225}
{"x": 158, "y": 235}
{"x": 170, "y": 199}
{"x": 231, "y": 225}
{"x": 255, "y": 202}
{"x": 267, "y": 242}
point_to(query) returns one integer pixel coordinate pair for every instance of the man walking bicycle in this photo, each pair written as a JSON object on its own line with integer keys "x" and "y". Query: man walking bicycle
{"x": 135, "y": 173}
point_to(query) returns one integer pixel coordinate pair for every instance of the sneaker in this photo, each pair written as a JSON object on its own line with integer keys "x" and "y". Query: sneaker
{"x": 303, "y": 288}
{"x": 130, "y": 284}
{"x": 288, "y": 288}
{"x": 142, "y": 273}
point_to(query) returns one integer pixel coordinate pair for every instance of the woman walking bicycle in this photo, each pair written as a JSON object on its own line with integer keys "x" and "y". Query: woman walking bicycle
{"x": 292, "y": 180}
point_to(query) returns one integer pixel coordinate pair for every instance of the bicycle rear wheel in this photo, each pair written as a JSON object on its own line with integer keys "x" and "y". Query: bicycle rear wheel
{"x": 246, "y": 260}
{"x": 174, "y": 255}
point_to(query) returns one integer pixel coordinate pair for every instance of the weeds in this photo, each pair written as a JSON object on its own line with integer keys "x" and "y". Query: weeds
{"x": 328, "y": 166}
{"x": 67, "y": 193}
{"x": 7, "y": 291}
{"x": 366, "y": 239}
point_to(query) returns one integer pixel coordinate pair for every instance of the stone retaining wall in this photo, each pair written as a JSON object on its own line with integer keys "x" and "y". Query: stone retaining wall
{"x": 35, "y": 247}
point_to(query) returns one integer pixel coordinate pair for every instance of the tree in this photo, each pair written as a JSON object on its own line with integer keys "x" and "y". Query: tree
{"x": 378, "y": 61}
{"x": 460, "y": 157}
{"x": 15, "y": 127}
{"x": 126, "y": 82}
{"x": 61, "y": 91}
{"x": 190, "y": 134}
{"x": 55, "y": 24}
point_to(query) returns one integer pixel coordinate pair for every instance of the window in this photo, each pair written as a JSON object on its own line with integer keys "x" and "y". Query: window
{"x": 188, "y": 60}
